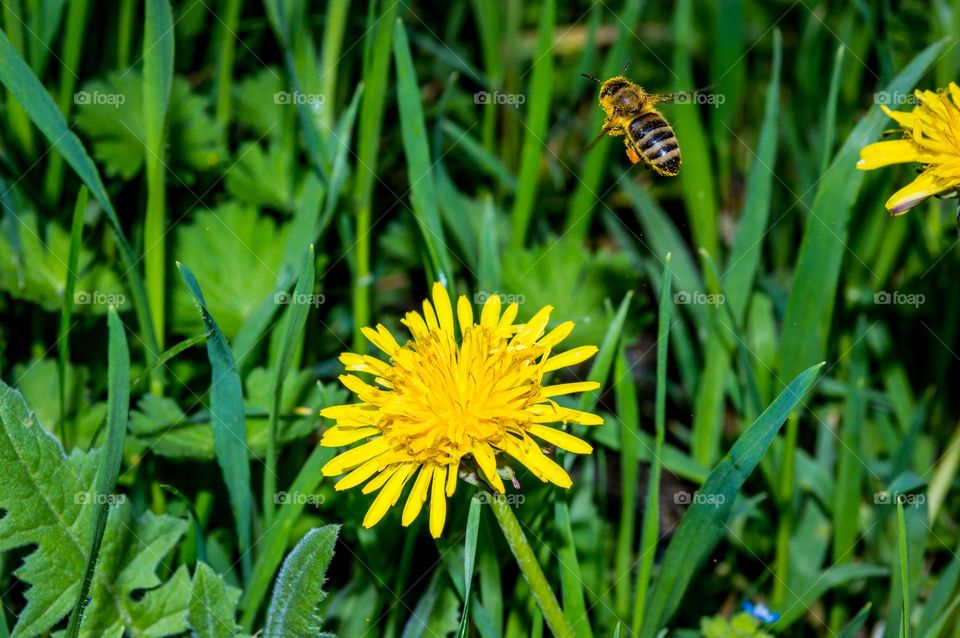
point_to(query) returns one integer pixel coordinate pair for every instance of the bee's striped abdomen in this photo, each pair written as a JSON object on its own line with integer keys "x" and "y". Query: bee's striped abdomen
{"x": 655, "y": 141}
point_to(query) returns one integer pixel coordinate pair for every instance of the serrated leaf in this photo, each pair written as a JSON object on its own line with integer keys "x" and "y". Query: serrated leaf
{"x": 45, "y": 495}
{"x": 213, "y": 605}
{"x": 46, "y": 251}
{"x": 299, "y": 587}
{"x": 110, "y": 111}
{"x": 262, "y": 177}
{"x": 562, "y": 274}
{"x": 236, "y": 255}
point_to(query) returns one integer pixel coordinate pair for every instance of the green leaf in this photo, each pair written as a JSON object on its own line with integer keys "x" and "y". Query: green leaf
{"x": 118, "y": 384}
{"x": 702, "y": 525}
{"x": 47, "y": 497}
{"x": 809, "y": 314}
{"x": 560, "y": 273}
{"x": 853, "y": 627}
{"x": 213, "y": 604}
{"x": 240, "y": 251}
{"x": 227, "y": 421}
{"x": 112, "y": 113}
{"x": 275, "y": 539}
{"x": 602, "y": 364}
{"x": 423, "y": 188}
{"x": 295, "y": 320}
{"x": 299, "y": 587}
{"x": 46, "y": 248}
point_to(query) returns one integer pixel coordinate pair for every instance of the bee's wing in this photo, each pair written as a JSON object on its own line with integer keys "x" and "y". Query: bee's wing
{"x": 678, "y": 96}
{"x": 604, "y": 131}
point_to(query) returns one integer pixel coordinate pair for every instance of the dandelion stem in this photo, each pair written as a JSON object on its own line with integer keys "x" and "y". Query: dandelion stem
{"x": 530, "y": 568}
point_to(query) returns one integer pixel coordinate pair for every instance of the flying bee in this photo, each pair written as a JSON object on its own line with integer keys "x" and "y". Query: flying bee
{"x": 631, "y": 113}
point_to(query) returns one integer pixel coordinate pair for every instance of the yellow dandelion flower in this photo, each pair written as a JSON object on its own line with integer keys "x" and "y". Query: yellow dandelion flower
{"x": 439, "y": 402}
{"x": 931, "y": 136}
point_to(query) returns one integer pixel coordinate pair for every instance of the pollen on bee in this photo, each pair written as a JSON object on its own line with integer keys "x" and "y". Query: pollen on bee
{"x": 632, "y": 155}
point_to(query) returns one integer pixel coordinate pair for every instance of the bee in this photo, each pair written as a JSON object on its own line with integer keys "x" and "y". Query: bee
{"x": 631, "y": 113}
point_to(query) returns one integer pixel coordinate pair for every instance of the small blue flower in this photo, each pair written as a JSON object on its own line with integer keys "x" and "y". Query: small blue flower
{"x": 760, "y": 612}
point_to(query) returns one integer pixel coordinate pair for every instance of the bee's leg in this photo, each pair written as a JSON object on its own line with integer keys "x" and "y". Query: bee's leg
{"x": 632, "y": 154}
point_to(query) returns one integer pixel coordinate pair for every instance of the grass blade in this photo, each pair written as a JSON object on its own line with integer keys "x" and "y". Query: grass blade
{"x": 469, "y": 560}
{"x": 902, "y": 545}
{"x": 423, "y": 191}
{"x": 747, "y": 247}
{"x": 66, "y": 312}
{"x": 296, "y": 321}
{"x": 651, "y": 510}
{"x": 228, "y": 423}
{"x": 157, "y": 79}
{"x": 535, "y": 135}
{"x": 376, "y": 69}
{"x": 697, "y": 175}
{"x": 118, "y": 402}
{"x": 571, "y": 580}
{"x": 703, "y": 524}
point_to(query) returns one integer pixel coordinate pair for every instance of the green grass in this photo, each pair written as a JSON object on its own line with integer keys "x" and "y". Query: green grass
{"x": 774, "y": 430}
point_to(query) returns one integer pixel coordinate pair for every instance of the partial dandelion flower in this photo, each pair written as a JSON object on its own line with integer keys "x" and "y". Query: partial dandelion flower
{"x": 439, "y": 403}
{"x": 931, "y": 137}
